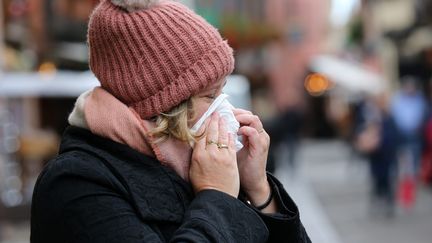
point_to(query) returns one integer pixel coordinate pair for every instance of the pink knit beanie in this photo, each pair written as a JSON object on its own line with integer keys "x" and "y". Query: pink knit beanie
{"x": 152, "y": 55}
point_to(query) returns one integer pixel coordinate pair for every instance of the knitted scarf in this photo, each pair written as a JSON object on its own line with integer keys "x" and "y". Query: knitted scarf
{"x": 106, "y": 116}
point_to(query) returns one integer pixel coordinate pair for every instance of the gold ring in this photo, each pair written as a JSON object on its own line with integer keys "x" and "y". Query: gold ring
{"x": 212, "y": 142}
{"x": 221, "y": 145}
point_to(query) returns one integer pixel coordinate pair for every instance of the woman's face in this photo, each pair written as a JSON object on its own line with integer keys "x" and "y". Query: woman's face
{"x": 202, "y": 100}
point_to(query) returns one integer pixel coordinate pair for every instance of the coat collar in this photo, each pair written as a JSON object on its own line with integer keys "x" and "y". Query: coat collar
{"x": 155, "y": 191}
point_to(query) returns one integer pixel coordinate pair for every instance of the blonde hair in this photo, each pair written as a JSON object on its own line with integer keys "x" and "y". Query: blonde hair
{"x": 175, "y": 123}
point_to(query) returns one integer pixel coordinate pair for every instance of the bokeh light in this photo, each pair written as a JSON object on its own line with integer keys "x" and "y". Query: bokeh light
{"x": 317, "y": 84}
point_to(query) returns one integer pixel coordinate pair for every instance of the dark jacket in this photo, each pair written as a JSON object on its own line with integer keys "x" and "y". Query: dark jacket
{"x": 98, "y": 190}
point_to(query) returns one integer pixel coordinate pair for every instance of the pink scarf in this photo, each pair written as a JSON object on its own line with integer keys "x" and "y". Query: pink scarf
{"x": 108, "y": 117}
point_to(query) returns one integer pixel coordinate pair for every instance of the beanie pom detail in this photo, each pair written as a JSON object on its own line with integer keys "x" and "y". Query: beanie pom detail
{"x": 135, "y": 5}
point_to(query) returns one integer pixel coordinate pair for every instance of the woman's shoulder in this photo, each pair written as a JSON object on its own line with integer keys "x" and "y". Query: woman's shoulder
{"x": 76, "y": 162}
{"x": 74, "y": 167}
{"x": 71, "y": 183}
{"x": 89, "y": 164}
{"x": 89, "y": 157}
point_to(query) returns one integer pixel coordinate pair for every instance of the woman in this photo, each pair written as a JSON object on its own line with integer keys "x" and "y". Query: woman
{"x": 137, "y": 166}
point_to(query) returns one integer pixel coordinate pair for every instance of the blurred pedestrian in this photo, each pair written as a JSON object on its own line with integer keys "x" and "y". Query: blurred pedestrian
{"x": 284, "y": 131}
{"x": 377, "y": 138}
{"x": 153, "y": 155}
{"x": 409, "y": 110}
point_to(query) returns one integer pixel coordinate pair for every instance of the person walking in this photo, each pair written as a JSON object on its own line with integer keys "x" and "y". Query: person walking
{"x": 153, "y": 154}
{"x": 377, "y": 138}
{"x": 409, "y": 110}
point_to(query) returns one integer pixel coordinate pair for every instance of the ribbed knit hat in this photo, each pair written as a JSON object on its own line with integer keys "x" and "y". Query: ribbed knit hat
{"x": 153, "y": 55}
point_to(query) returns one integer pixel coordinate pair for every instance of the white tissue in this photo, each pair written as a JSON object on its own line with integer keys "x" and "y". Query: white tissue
{"x": 225, "y": 110}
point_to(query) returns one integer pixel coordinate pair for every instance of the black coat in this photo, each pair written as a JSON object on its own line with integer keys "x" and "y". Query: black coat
{"x": 97, "y": 190}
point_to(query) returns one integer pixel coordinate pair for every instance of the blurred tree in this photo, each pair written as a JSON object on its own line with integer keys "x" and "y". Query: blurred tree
{"x": 243, "y": 32}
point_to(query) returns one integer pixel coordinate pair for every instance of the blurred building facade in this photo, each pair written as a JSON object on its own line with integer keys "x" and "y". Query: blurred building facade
{"x": 274, "y": 41}
{"x": 304, "y": 24}
{"x": 404, "y": 43}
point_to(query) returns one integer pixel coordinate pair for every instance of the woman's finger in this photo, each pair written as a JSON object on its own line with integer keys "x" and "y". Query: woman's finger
{"x": 238, "y": 111}
{"x": 201, "y": 143}
{"x": 231, "y": 142}
{"x": 212, "y": 133}
{"x": 201, "y": 131}
{"x": 249, "y": 132}
{"x": 223, "y": 133}
{"x": 254, "y": 138}
{"x": 250, "y": 120}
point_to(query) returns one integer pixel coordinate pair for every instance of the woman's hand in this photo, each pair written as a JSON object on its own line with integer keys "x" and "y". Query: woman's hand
{"x": 214, "y": 162}
{"x": 252, "y": 159}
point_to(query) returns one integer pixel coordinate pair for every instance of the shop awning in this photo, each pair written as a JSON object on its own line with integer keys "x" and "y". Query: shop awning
{"x": 347, "y": 75}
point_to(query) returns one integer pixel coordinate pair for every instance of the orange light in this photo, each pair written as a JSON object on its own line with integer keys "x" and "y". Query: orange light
{"x": 316, "y": 84}
{"x": 47, "y": 68}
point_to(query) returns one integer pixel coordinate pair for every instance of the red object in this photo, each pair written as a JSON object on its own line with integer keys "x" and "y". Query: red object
{"x": 407, "y": 191}
{"x": 426, "y": 167}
